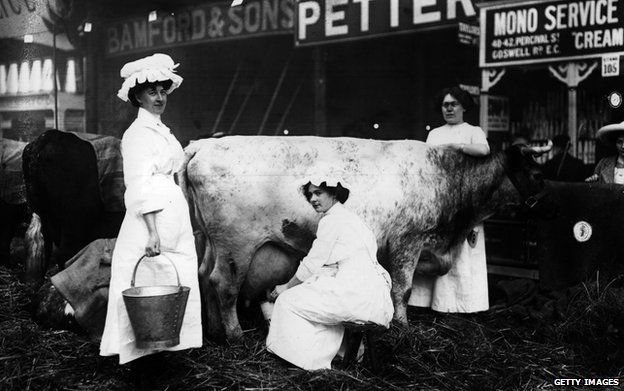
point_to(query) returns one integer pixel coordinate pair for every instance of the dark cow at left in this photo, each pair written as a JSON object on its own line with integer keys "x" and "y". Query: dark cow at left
{"x": 63, "y": 187}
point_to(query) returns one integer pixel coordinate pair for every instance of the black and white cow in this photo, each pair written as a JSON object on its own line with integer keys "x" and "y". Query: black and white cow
{"x": 246, "y": 200}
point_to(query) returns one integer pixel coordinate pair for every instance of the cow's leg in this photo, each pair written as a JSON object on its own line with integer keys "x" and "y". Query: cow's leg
{"x": 77, "y": 230}
{"x": 227, "y": 278}
{"x": 402, "y": 273}
{"x": 210, "y": 303}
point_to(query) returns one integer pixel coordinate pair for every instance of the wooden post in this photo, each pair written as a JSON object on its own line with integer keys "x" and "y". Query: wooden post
{"x": 483, "y": 111}
{"x": 276, "y": 91}
{"x": 320, "y": 119}
{"x": 90, "y": 85}
{"x": 572, "y": 120}
{"x": 55, "y": 78}
{"x": 421, "y": 99}
{"x": 215, "y": 126}
{"x": 489, "y": 78}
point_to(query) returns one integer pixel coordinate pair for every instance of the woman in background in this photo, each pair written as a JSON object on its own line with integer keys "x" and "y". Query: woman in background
{"x": 464, "y": 288}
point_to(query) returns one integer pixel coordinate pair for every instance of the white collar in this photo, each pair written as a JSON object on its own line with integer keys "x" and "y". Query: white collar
{"x": 334, "y": 208}
{"x": 455, "y": 126}
{"x": 152, "y": 119}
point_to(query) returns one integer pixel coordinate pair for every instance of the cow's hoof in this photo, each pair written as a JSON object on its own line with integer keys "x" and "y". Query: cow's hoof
{"x": 400, "y": 321}
{"x": 234, "y": 333}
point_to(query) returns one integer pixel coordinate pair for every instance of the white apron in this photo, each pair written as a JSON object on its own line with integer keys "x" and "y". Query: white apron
{"x": 151, "y": 155}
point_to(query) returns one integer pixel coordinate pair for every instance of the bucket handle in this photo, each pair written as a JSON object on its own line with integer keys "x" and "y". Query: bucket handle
{"x": 145, "y": 256}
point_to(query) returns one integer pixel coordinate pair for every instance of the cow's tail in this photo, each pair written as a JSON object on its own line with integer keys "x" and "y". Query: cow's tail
{"x": 187, "y": 189}
{"x": 35, "y": 265}
{"x": 183, "y": 182}
{"x": 206, "y": 254}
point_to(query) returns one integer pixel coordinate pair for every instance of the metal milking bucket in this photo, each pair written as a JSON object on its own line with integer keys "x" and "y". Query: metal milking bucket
{"x": 156, "y": 312}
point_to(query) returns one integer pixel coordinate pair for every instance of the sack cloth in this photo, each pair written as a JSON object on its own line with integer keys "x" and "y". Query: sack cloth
{"x": 12, "y": 187}
{"x": 110, "y": 169}
{"x": 84, "y": 284}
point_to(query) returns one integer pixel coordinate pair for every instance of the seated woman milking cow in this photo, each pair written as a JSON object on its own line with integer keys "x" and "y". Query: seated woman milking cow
{"x": 338, "y": 281}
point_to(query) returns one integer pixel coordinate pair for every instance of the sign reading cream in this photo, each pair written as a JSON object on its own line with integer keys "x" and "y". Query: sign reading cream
{"x": 206, "y": 22}
{"x": 550, "y": 30}
{"x": 323, "y": 21}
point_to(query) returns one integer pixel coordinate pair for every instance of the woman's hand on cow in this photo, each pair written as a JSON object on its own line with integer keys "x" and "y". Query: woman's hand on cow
{"x": 593, "y": 178}
{"x": 453, "y": 146}
{"x": 152, "y": 248}
{"x": 460, "y": 147}
{"x": 273, "y": 294}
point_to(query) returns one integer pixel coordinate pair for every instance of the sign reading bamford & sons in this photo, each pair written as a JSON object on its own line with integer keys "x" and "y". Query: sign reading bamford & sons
{"x": 552, "y": 30}
{"x": 202, "y": 23}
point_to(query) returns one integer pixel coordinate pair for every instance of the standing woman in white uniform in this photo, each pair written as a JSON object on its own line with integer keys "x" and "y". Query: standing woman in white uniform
{"x": 339, "y": 280}
{"x": 464, "y": 288}
{"x": 157, "y": 221}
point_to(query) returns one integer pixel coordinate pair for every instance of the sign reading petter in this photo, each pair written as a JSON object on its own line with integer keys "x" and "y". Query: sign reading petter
{"x": 324, "y": 21}
{"x": 550, "y": 30}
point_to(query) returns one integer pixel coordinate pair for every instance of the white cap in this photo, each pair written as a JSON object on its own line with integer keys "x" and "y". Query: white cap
{"x": 157, "y": 67}
{"x": 323, "y": 172}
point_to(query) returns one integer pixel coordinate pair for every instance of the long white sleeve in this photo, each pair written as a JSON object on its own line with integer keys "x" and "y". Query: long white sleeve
{"x": 326, "y": 238}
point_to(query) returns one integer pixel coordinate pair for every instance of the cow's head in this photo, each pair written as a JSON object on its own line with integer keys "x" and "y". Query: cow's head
{"x": 525, "y": 173}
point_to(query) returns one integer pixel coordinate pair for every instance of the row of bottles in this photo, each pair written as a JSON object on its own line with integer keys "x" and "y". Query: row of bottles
{"x": 33, "y": 77}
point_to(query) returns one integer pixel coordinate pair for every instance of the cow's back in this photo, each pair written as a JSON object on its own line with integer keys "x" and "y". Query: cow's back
{"x": 250, "y": 187}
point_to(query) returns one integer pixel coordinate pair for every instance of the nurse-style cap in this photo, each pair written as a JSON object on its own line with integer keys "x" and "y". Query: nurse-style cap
{"x": 330, "y": 180}
{"x": 320, "y": 173}
{"x": 157, "y": 67}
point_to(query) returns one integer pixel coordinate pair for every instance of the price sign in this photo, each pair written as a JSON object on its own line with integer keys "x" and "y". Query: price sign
{"x": 610, "y": 65}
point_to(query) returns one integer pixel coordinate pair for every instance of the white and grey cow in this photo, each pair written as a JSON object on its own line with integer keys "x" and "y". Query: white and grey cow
{"x": 255, "y": 223}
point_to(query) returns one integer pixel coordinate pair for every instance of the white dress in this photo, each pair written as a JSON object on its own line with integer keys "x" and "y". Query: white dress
{"x": 464, "y": 288}
{"x": 342, "y": 281}
{"x": 151, "y": 155}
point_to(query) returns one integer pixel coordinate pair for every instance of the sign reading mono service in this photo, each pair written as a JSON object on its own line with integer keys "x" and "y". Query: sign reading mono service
{"x": 550, "y": 30}
{"x": 208, "y": 22}
{"x": 323, "y": 21}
